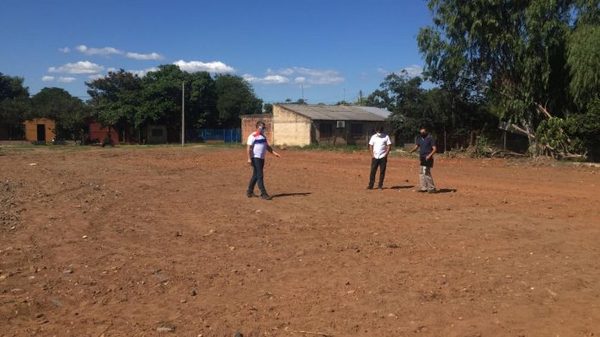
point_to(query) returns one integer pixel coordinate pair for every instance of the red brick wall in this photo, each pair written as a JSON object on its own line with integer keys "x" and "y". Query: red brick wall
{"x": 249, "y": 126}
{"x": 98, "y": 132}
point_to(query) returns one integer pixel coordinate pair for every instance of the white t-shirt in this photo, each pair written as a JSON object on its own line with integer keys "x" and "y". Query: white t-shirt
{"x": 379, "y": 141}
{"x": 259, "y": 144}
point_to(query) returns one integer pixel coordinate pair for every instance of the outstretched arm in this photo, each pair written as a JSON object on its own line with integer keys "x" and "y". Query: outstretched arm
{"x": 270, "y": 149}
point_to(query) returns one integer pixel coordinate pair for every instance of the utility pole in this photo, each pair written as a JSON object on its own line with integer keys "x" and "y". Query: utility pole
{"x": 182, "y": 113}
{"x": 302, "y": 86}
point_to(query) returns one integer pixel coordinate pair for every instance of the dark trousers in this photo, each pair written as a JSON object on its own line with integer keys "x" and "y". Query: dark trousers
{"x": 258, "y": 166}
{"x": 381, "y": 164}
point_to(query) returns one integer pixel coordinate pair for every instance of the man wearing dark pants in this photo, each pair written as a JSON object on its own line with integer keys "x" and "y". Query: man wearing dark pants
{"x": 426, "y": 145}
{"x": 257, "y": 148}
{"x": 379, "y": 146}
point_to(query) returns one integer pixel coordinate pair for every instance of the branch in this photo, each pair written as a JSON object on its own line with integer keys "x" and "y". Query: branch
{"x": 525, "y": 132}
{"x": 543, "y": 110}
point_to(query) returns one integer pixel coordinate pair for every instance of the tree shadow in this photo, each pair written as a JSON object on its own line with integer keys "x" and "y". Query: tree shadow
{"x": 403, "y": 187}
{"x": 283, "y": 195}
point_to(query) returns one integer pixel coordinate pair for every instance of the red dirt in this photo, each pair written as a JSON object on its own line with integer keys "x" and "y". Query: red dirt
{"x": 125, "y": 241}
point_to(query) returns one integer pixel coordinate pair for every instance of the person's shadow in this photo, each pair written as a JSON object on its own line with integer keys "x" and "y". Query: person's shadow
{"x": 402, "y": 187}
{"x": 283, "y": 195}
{"x": 446, "y": 190}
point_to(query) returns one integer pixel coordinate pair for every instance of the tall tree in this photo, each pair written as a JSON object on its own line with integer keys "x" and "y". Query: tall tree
{"x": 115, "y": 99}
{"x": 235, "y": 97}
{"x": 513, "y": 52}
{"x": 13, "y": 100}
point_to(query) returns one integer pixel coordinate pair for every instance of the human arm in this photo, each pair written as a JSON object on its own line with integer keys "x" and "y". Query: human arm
{"x": 433, "y": 151}
{"x": 249, "y": 153}
{"x": 273, "y": 152}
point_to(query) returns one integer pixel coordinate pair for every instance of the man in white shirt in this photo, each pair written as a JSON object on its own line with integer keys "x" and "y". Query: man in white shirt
{"x": 257, "y": 148}
{"x": 380, "y": 146}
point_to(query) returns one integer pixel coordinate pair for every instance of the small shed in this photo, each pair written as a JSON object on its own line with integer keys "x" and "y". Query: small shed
{"x": 42, "y": 130}
{"x": 303, "y": 124}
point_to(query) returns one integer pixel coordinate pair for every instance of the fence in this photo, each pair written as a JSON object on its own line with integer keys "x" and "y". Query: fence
{"x": 224, "y": 135}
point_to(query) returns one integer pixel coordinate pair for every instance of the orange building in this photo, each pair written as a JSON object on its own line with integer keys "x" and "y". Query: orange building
{"x": 40, "y": 130}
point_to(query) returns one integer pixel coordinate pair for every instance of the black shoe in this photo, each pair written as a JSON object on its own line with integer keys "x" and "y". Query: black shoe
{"x": 265, "y": 197}
{"x": 421, "y": 191}
{"x": 432, "y": 191}
{"x": 251, "y": 195}
{"x": 369, "y": 187}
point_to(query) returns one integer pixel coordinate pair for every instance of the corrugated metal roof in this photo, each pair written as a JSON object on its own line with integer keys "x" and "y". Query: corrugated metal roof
{"x": 339, "y": 112}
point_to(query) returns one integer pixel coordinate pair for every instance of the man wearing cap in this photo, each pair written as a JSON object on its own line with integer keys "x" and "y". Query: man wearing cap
{"x": 257, "y": 148}
{"x": 379, "y": 146}
{"x": 426, "y": 146}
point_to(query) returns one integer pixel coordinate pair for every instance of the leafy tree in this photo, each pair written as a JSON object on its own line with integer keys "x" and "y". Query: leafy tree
{"x": 584, "y": 64}
{"x": 68, "y": 111}
{"x": 14, "y": 104}
{"x": 511, "y": 52}
{"x": 115, "y": 99}
{"x": 235, "y": 97}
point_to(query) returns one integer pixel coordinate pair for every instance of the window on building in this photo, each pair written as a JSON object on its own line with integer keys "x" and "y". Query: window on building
{"x": 326, "y": 130}
{"x": 356, "y": 129}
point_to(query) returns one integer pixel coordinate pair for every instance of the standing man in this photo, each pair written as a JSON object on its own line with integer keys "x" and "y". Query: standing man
{"x": 426, "y": 145}
{"x": 257, "y": 148}
{"x": 379, "y": 145}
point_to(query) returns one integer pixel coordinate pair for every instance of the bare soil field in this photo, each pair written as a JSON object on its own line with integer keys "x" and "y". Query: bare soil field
{"x": 162, "y": 241}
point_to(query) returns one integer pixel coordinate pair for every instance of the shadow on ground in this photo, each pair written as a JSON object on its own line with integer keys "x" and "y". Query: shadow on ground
{"x": 283, "y": 195}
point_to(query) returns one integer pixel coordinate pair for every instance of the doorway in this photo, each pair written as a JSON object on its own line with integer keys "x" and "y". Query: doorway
{"x": 41, "y": 132}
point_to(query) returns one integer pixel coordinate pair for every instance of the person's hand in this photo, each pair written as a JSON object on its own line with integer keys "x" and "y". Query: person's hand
{"x": 249, "y": 161}
{"x": 428, "y": 157}
{"x": 276, "y": 154}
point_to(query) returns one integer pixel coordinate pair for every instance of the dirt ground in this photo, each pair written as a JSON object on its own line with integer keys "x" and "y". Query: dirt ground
{"x": 162, "y": 241}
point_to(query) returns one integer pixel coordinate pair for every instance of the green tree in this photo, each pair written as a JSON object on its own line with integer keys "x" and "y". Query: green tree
{"x": 14, "y": 105}
{"x": 235, "y": 97}
{"x": 69, "y": 112}
{"x": 115, "y": 98}
{"x": 584, "y": 64}
{"x": 512, "y": 52}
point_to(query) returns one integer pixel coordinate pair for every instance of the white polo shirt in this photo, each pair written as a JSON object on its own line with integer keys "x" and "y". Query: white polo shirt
{"x": 259, "y": 144}
{"x": 379, "y": 142}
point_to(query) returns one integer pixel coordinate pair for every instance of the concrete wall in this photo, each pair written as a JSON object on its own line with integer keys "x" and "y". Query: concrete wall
{"x": 249, "y": 126}
{"x": 31, "y": 129}
{"x": 290, "y": 128}
{"x": 344, "y": 136}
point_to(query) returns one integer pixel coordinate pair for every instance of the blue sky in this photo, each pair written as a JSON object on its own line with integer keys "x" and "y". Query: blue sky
{"x": 331, "y": 48}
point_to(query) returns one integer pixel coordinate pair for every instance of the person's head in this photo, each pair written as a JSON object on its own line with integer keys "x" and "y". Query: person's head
{"x": 260, "y": 126}
{"x": 379, "y": 129}
{"x": 423, "y": 131}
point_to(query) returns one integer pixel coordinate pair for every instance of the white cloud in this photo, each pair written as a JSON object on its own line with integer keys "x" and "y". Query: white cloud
{"x": 269, "y": 79}
{"x": 81, "y": 67}
{"x": 64, "y": 50}
{"x": 98, "y": 51}
{"x": 142, "y": 73}
{"x": 48, "y": 78}
{"x": 413, "y": 70}
{"x": 144, "y": 57}
{"x": 95, "y": 76}
{"x": 211, "y": 67}
{"x": 298, "y": 75}
{"x": 66, "y": 79}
